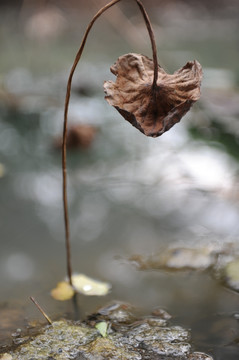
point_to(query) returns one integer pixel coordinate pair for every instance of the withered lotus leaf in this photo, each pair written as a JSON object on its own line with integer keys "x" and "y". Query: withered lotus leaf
{"x": 152, "y": 110}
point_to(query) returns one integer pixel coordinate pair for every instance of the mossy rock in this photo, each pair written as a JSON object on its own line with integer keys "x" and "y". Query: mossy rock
{"x": 134, "y": 338}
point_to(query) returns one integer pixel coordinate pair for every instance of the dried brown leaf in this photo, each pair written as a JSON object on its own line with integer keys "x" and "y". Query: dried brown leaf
{"x": 152, "y": 110}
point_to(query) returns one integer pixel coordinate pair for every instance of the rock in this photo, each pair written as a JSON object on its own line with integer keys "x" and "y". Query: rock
{"x": 128, "y": 338}
{"x": 6, "y": 357}
{"x": 178, "y": 259}
{"x": 105, "y": 348}
{"x": 199, "y": 356}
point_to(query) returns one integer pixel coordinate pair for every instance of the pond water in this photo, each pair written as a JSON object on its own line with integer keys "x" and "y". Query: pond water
{"x": 128, "y": 194}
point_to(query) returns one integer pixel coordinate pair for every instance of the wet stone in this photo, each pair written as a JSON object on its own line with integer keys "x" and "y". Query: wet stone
{"x": 5, "y": 357}
{"x": 199, "y": 356}
{"x": 143, "y": 338}
{"x": 116, "y": 313}
{"x": 150, "y": 333}
{"x": 183, "y": 258}
{"x": 154, "y": 321}
{"x": 61, "y": 335}
{"x": 178, "y": 259}
{"x": 105, "y": 348}
{"x": 162, "y": 314}
{"x": 167, "y": 348}
{"x": 221, "y": 262}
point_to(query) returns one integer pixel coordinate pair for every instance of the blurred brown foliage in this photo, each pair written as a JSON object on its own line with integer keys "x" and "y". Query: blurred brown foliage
{"x": 88, "y": 4}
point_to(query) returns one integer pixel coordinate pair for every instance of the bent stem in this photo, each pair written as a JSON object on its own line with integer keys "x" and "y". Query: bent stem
{"x": 67, "y": 100}
{"x": 153, "y": 43}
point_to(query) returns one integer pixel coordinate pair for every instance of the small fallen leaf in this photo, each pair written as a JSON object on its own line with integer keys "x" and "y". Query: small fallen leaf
{"x": 231, "y": 274}
{"x": 2, "y": 170}
{"x": 63, "y": 291}
{"x": 88, "y": 286}
{"x": 102, "y": 328}
{"x": 152, "y": 110}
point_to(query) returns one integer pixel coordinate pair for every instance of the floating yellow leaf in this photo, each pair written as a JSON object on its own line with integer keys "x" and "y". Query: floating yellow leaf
{"x": 81, "y": 284}
{"x": 88, "y": 286}
{"x": 63, "y": 291}
{"x": 231, "y": 274}
{"x": 2, "y": 170}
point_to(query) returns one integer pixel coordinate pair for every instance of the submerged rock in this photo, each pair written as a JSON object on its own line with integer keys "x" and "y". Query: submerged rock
{"x": 222, "y": 262}
{"x": 178, "y": 259}
{"x": 128, "y": 338}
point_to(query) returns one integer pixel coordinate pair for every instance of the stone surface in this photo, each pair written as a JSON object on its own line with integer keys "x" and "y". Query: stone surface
{"x": 128, "y": 338}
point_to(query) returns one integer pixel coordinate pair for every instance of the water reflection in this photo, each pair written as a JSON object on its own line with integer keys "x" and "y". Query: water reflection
{"x": 125, "y": 187}
{"x": 19, "y": 267}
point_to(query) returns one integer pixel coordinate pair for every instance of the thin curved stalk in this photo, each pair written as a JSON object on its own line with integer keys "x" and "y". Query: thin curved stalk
{"x": 153, "y": 43}
{"x": 64, "y": 169}
{"x": 67, "y": 100}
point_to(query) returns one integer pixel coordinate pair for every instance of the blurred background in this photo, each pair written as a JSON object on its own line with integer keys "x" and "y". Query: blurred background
{"x": 128, "y": 194}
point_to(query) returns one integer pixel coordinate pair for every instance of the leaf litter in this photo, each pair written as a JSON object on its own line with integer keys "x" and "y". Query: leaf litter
{"x": 81, "y": 284}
